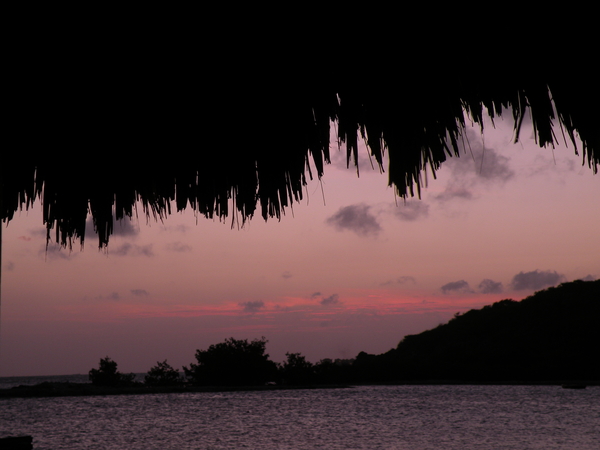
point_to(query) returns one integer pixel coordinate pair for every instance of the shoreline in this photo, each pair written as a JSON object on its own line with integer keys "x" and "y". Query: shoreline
{"x": 68, "y": 389}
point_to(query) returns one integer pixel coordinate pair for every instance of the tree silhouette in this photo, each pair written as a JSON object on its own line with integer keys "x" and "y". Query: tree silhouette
{"x": 297, "y": 370}
{"x": 108, "y": 375}
{"x": 163, "y": 374}
{"x": 232, "y": 363}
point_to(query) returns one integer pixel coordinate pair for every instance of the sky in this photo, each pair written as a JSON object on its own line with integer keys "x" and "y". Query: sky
{"x": 350, "y": 268}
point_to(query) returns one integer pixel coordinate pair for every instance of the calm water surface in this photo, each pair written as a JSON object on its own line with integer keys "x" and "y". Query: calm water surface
{"x": 370, "y": 417}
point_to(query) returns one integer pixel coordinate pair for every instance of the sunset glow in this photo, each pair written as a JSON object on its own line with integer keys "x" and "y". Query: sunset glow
{"x": 350, "y": 269}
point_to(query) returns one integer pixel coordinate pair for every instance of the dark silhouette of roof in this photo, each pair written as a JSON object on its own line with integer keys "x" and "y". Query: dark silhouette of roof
{"x": 220, "y": 136}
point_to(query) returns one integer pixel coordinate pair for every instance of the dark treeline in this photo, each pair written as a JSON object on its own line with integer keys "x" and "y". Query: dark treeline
{"x": 552, "y": 335}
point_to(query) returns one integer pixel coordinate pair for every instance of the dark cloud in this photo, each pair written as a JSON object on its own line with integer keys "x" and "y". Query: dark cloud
{"x": 366, "y": 164}
{"x": 331, "y": 300}
{"x": 488, "y": 286}
{"x": 546, "y": 164}
{"x": 175, "y": 228}
{"x": 114, "y": 296}
{"x": 9, "y": 266}
{"x": 252, "y": 307}
{"x": 457, "y": 286}
{"x": 56, "y": 252}
{"x": 315, "y": 295}
{"x": 356, "y": 218}
{"x": 589, "y": 277}
{"x": 400, "y": 280}
{"x": 122, "y": 228}
{"x": 535, "y": 280}
{"x": 411, "y": 210}
{"x": 286, "y": 275}
{"x": 455, "y": 189}
{"x": 140, "y": 292}
{"x": 482, "y": 161}
{"x": 128, "y": 249}
{"x": 178, "y": 247}
{"x": 476, "y": 165}
{"x": 406, "y": 279}
{"x": 125, "y": 228}
{"x": 493, "y": 167}
{"x": 36, "y": 232}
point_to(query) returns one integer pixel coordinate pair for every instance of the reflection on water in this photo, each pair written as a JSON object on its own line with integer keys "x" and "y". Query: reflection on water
{"x": 370, "y": 417}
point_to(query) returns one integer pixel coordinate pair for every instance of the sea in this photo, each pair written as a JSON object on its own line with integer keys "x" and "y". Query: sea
{"x": 422, "y": 417}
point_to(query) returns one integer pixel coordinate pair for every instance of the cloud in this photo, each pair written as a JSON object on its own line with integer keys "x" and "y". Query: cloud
{"x": 457, "y": 286}
{"x": 112, "y": 296}
{"x": 178, "y": 247}
{"x": 411, "y": 211}
{"x": 176, "y": 228}
{"x": 366, "y": 164}
{"x": 140, "y": 292}
{"x": 39, "y": 232}
{"x": 544, "y": 165}
{"x": 356, "y": 218}
{"x": 122, "y": 228}
{"x": 315, "y": 295}
{"x": 493, "y": 167}
{"x": 535, "y": 280}
{"x": 24, "y": 238}
{"x": 483, "y": 162}
{"x": 128, "y": 249}
{"x": 476, "y": 165}
{"x": 9, "y": 266}
{"x": 488, "y": 286}
{"x": 455, "y": 189}
{"x": 252, "y": 307}
{"x": 589, "y": 277}
{"x": 55, "y": 252}
{"x": 286, "y": 275}
{"x": 401, "y": 280}
{"x": 331, "y": 300}
{"x": 406, "y": 279}
{"x": 125, "y": 228}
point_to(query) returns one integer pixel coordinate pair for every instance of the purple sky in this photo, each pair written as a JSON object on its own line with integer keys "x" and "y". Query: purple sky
{"x": 350, "y": 269}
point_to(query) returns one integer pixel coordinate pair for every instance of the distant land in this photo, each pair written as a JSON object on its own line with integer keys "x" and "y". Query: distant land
{"x": 553, "y": 335}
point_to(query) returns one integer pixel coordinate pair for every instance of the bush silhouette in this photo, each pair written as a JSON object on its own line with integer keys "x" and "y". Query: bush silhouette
{"x": 297, "y": 370}
{"x": 232, "y": 363}
{"x": 163, "y": 374}
{"x": 107, "y": 375}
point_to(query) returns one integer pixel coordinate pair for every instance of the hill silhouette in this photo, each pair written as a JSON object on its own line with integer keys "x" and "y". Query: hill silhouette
{"x": 551, "y": 335}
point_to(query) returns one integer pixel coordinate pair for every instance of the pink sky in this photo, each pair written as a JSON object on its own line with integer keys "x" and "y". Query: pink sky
{"x": 353, "y": 273}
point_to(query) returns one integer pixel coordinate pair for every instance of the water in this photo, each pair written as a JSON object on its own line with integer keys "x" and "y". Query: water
{"x": 369, "y": 417}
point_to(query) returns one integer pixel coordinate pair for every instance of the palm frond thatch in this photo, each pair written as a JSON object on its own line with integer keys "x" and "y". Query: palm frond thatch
{"x": 227, "y": 143}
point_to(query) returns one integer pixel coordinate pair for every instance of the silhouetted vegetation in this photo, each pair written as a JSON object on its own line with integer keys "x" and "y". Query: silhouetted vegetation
{"x": 232, "y": 363}
{"x": 297, "y": 370}
{"x": 108, "y": 375}
{"x": 551, "y": 335}
{"x": 163, "y": 374}
{"x": 339, "y": 371}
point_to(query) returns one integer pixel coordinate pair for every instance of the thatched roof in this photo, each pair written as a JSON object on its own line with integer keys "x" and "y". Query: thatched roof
{"x": 225, "y": 144}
